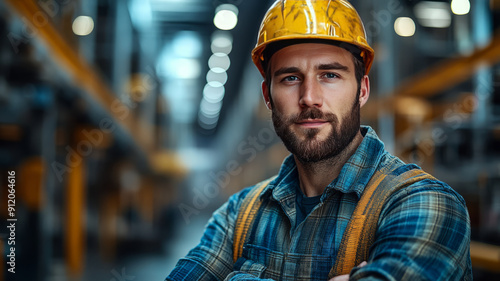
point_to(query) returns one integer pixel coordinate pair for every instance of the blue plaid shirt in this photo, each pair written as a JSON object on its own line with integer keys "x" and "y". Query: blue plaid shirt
{"x": 423, "y": 230}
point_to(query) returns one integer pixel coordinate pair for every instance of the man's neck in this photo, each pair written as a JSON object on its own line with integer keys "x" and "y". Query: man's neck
{"x": 315, "y": 177}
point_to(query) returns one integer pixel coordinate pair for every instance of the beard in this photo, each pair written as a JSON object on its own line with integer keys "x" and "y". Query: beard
{"x": 311, "y": 149}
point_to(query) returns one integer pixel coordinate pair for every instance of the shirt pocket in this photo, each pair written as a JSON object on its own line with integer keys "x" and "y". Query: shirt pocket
{"x": 250, "y": 267}
{"x": 288, "y": 266}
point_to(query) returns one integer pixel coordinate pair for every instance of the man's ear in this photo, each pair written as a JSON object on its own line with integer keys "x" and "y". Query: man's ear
{"x": 364, "y": 91}
{"x": 265, "y": 94}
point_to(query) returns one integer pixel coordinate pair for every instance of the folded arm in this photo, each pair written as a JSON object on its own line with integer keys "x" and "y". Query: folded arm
{"x": 423, "y": 234}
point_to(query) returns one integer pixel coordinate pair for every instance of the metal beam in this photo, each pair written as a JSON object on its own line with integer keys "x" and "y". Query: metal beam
{"x": 450, "y": 72}
{"x": 438, "y": 78}
{"x": 75, "y": 221}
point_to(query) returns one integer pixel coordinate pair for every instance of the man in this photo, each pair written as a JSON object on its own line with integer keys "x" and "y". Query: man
{"x": 300, "y": 225}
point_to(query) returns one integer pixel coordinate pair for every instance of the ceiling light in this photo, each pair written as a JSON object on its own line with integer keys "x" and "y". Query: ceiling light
{"x": 226, "y": 17}
{"x": 433, "y": 14}
{"x": 213, "y": 94}
{"x": 219, "y": 60}
{"x": 210, "y": 108}
{"x": 460, "y": 7}
{"x": 83, "y": 25}
{"x": 222, "y": 42}
{"x": 404, "y": 27}
{"x": 215, "y": 79}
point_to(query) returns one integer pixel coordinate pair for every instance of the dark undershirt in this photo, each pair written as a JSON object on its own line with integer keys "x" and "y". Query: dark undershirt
{"x": 304, "y": 204}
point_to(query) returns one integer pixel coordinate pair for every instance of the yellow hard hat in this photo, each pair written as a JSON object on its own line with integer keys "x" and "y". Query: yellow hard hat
{"x": 304, "y": 20}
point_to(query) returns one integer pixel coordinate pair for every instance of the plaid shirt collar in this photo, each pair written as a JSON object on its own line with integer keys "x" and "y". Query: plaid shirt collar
{"x": 353, "y": 177}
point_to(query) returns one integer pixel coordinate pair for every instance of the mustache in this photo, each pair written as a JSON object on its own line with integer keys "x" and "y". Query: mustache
{"x": 312, "y": 113}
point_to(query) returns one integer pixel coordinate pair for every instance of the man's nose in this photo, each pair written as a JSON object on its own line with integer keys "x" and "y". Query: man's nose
{"x": 310, "y": 95}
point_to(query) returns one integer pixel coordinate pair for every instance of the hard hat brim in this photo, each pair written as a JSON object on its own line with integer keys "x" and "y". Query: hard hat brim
{"x": 366, "y": 52}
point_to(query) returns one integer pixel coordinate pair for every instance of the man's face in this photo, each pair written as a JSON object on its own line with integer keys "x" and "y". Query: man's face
{"x": 315, "y": 99}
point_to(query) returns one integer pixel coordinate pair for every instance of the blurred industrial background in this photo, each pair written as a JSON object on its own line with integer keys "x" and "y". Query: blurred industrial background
{"x": 127, "y": 122}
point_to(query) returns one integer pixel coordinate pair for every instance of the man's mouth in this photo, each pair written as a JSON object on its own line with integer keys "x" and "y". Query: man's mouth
{"x": 312, "y": 123}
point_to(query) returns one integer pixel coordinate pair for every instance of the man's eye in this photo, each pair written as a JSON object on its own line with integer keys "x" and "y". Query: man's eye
{"x": 331, "y": 75}
{"x": 290, "y": 78}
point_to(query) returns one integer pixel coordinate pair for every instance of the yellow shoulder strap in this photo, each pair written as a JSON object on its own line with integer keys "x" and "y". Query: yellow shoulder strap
{"x": 246, "y": 215}
{"x": 360, "y": 232}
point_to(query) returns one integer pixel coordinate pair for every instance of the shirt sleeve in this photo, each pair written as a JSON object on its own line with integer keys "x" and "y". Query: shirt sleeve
{"x": 423, "y": 234}
{"x": 212, "y": 258}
